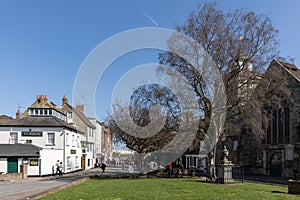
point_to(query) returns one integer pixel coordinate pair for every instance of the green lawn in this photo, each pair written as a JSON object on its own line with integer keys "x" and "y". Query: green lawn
{"x": 163, "y": 188}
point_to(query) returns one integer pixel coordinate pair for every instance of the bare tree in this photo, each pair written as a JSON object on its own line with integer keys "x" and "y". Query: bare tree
{"x": 240, "y": 43}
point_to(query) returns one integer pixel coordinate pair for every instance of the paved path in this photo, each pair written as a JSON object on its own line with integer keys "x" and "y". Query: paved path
{"x": 267, "y": 179}
{"x": 32, "y": 187}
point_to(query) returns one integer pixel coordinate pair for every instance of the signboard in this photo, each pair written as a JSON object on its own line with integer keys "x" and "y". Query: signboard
{"x": 73, "y": 151}
{"x": 34, "y": 162}
{"x": 32, "y": 133}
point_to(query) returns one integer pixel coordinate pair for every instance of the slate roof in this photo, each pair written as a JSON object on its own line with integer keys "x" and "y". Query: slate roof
{"x": 19, "y": 150}
{"x": 39, "y": 121}
{"x": 5, "y": 118}
{"x": 291, "y": 68}
{"x": 82, "y": 117}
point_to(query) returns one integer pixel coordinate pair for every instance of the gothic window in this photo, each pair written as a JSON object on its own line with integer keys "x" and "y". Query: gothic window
{"x": 287, "y": 124}
{"x": 298, "y": 133}
{"x": 278, "y": 129}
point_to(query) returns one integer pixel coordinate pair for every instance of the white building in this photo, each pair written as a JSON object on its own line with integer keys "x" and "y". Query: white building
{"x": 52, "y": 138}
{"x": 98, "y": 134}
{"x": 76, "y": 118}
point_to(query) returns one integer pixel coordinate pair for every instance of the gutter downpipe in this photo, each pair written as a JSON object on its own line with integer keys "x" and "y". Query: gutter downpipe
{"x": 64, "y": 152}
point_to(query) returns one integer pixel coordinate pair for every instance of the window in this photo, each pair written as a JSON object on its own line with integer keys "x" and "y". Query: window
{"x": 33, "y": 162}
{"x": 278, "y": 127}
{"x": 78, "y": 141}
{"x": 69, "y": 117}
{"x": 73, "y": 140}
{"x": 76, "y": 161}
{"x": 67, "y": 139}
{"x": 28, "y": 142}
{"x": 51, "y": 138}
{"x": 14, "y": 137}
{"x": 69, "y": 162}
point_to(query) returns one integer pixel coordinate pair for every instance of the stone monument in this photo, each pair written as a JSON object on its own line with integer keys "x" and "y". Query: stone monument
{"x": 224, "y": 170}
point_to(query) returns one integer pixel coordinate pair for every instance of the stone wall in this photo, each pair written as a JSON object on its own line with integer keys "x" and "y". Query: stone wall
{"x": 294, "y": 186}
{"x": 10, "y": 176}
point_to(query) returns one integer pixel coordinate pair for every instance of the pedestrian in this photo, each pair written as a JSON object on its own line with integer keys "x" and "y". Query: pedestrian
{"x": 60, "y": 169}
{"x": 169, "y": 169}
{"x": 57, "y": 167}
{"x": 103, "y": 166}
{"x": 181, "y": 168}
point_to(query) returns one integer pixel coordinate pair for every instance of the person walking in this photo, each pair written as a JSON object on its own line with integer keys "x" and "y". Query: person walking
{"x": 60, "y": 169}
{"x": 103, "y": 166}
{"x": 57, "y": 167}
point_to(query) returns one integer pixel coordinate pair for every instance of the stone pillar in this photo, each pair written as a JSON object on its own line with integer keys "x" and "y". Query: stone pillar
{"x": 265, "y": 160}
{"x": 224, "y": 173}
{"x": 24, "y": 171}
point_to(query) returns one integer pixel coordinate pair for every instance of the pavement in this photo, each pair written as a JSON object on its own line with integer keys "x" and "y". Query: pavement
{"x": 267, "y": 179}
{"x": 34, "y": 187}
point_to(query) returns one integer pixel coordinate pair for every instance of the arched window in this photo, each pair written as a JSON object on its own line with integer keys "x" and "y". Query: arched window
{"x": 278, "y": 129}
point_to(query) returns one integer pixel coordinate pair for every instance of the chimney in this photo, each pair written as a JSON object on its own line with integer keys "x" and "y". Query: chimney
{"x": 41, "y": 98}
{"x": 64, "y": 100}
{"x": 18, "y": 114}
{"x": 80, "y": 107}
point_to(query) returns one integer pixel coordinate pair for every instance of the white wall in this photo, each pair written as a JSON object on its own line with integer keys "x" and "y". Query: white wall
{"x": 5, "y": 137}
{"x": 98, "y": 138}
{"x": 73, "y": 152}
{"x": 48, "y": 159}
{"x": 3, "y": 165}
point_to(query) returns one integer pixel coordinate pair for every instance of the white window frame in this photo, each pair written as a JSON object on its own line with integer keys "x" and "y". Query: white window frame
{"x": 69, "y": 163}
{"x": 67, "y": 139}
{"x": 52, "y": 142}
{"x": 78, "y": 141}
{"x": 14, "y": 137}
{"x": 73, "y": 140}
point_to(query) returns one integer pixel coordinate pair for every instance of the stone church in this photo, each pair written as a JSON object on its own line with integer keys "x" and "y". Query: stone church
{"x": 275, "y": 151}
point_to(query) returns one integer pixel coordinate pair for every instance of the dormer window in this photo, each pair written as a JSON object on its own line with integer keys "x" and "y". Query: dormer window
{"x": 69, "y": 117}
{"x": 47, "y": 112}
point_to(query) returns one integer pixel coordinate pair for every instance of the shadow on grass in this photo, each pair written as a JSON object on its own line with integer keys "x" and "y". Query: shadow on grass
{"x": 280, "y": 192}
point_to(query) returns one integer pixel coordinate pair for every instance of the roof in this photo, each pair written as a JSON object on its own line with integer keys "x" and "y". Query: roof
{"x": 81, "y": 116}
{"x": 19, "y": 150}
{"x": 291, "y": 68}
{"x": 42, "y": 102}
{"x": 39, "y": 121}
{"x": 5, "y": 118}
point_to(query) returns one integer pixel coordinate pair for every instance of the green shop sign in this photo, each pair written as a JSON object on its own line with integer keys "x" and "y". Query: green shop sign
{"x": 32, "y": 133}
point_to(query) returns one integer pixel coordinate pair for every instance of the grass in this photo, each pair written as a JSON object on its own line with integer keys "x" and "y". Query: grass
{"x": 163, "y": 188}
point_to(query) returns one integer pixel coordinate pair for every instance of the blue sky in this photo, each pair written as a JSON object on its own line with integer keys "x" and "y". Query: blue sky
{"x": 43, "y": 42}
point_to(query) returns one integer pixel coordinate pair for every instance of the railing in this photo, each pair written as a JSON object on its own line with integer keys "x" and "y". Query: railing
{"x": 234, "y": 174}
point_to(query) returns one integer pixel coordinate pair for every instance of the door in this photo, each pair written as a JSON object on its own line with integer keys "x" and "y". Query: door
{"x": 276, "y": 165}
{"x": 83, "y": 162}
{"x": 12, "y": 164}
